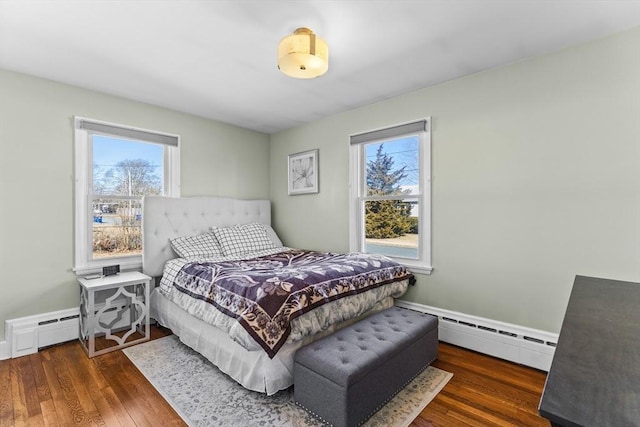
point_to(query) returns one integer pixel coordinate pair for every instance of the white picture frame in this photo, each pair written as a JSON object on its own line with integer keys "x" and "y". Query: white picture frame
{"x": 302, "y": 173}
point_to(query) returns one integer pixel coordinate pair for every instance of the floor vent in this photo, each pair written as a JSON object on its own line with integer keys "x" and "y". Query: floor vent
{"x": 518, "y": 344}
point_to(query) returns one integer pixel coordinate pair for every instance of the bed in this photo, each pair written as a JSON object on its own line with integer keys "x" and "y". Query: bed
{"x": 267, "y": 300}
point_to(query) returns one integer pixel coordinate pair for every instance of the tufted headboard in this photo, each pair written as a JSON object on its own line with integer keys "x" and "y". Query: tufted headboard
{"x": 164, "y": 218}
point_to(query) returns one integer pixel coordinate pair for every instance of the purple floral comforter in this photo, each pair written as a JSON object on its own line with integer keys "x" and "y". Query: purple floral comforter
{"x": 264, "y": 294}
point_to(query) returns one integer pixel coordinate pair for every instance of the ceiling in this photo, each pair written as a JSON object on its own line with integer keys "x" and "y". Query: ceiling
{"x": 217, "y": 59}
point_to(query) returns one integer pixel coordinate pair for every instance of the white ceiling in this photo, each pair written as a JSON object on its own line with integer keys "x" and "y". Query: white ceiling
{"x": 217, "y": 59}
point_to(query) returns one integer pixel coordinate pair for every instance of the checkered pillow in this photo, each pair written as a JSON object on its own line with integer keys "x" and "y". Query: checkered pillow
{"x": 200, "y": 246}
{"x": 242, "y": 239}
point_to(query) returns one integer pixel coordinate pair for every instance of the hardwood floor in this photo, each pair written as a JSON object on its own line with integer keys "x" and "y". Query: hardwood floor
{"x": 484, "y": 391}
{"x": 61, "y": 386}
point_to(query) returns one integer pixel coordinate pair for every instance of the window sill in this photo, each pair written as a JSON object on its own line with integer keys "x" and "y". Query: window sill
{"x": 96, "y": 267}
{"x": 418, "y": 269}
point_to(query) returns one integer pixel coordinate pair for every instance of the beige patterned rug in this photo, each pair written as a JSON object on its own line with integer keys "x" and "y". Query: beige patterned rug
{"x": 204, "y": 396}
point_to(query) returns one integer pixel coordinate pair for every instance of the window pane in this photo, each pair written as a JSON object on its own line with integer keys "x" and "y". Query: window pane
{"x": 393, "y": 167}
{"x": 116, "y": 227}
{"x": 121, "y": 169}
{"x": 391, "y": 228}
{"x": 126, "y": 168}
{"x": 390, "y": 195}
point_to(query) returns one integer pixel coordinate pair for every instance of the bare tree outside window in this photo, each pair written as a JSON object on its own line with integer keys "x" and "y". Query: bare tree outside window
{"x": 120, "y": 180}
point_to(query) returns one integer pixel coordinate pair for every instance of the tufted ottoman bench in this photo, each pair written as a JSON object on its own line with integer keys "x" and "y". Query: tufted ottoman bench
{"x": 347, "y": 376}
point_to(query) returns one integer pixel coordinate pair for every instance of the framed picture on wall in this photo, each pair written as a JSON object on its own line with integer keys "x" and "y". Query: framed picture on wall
{"x": 303, "y": 172}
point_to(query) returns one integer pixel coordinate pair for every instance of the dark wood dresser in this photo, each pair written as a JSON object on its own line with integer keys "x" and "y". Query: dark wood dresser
{"x": 594, "y": 378}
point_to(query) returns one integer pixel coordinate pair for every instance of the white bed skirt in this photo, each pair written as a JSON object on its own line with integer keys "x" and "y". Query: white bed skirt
{"x": 252, "y": 369}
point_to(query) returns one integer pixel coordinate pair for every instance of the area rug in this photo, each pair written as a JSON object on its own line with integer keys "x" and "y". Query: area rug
{"x": 204, "y": 396}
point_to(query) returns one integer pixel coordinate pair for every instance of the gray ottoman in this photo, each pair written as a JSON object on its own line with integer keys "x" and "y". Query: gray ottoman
{"x": 347, "y": 376}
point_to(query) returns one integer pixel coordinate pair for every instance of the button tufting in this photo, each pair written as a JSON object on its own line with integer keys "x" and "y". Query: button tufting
{"x": 389, "y": 333}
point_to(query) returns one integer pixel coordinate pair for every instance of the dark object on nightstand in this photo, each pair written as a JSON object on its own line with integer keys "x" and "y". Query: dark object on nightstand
{"x": 110, "y": 270}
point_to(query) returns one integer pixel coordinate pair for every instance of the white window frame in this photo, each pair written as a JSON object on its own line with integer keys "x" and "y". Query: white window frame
{"x": 357, "y": 188}
{"x": 84, "y": 264}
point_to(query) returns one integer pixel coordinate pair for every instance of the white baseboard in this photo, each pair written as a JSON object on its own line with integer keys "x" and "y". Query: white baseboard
{"x": 526, "y": 346}
{"x": 515, "y": 343}
{"x": 26, "y": 335}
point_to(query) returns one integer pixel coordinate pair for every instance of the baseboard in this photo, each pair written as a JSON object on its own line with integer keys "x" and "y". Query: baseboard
{"x": 526, "y": 346}
{"x": 26, "y": 335}
{"x": 515, "y": 343}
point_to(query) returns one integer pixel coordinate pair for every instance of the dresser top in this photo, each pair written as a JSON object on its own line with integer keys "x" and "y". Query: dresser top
{"x": 594, "y": 378}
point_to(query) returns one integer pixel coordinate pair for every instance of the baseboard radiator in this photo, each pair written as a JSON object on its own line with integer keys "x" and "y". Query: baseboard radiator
{"x": 529, "y": 347}
{"x": 26, "y": 335}
{"x": 525, "y": 346}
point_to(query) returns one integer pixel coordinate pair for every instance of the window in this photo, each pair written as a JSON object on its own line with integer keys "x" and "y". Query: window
{"x": 116, "y": 166}
{"x": 390, "y": 194}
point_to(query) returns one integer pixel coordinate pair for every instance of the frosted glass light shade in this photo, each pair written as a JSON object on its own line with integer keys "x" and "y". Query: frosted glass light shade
{"x": 303, "y": 55}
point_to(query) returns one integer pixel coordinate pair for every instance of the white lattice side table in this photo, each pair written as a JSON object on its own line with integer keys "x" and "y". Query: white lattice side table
{"x": 127, "y": 303}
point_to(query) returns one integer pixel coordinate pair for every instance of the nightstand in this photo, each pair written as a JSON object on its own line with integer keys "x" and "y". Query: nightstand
{"x": 114, "y": 312}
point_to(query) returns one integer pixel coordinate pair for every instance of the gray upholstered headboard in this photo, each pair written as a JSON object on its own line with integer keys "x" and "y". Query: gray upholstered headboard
{"x": 164, "y": 218}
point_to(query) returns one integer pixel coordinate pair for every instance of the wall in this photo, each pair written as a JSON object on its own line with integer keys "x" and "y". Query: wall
{"x": 36, "y": 179}
{"x": 536, "y": 178}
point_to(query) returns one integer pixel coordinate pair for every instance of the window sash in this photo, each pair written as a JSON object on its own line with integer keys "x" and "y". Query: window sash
{"x": 84, "y": 195}
{"x": 364, "y": 240}
{"x": 421, "y": 128}
{"x": 91, "y": 226}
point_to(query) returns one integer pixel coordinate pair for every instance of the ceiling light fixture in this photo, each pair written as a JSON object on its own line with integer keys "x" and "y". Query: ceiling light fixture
{"x": 303, "y": 55}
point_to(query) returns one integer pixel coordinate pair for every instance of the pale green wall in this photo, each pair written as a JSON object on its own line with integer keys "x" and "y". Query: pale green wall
{"x": 36, "y": 179}
{"x": 536, "y": 178}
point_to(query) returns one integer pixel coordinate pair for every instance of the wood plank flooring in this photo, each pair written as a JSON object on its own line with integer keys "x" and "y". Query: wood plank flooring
{"x": 61, "y": 386}
{"x": 484, "y": 391}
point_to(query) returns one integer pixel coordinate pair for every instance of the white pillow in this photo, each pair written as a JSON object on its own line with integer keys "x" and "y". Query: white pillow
{"x": 271, "y": 233}
{"x": 200, "y": 246}
{"x": 242, "y": 239}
